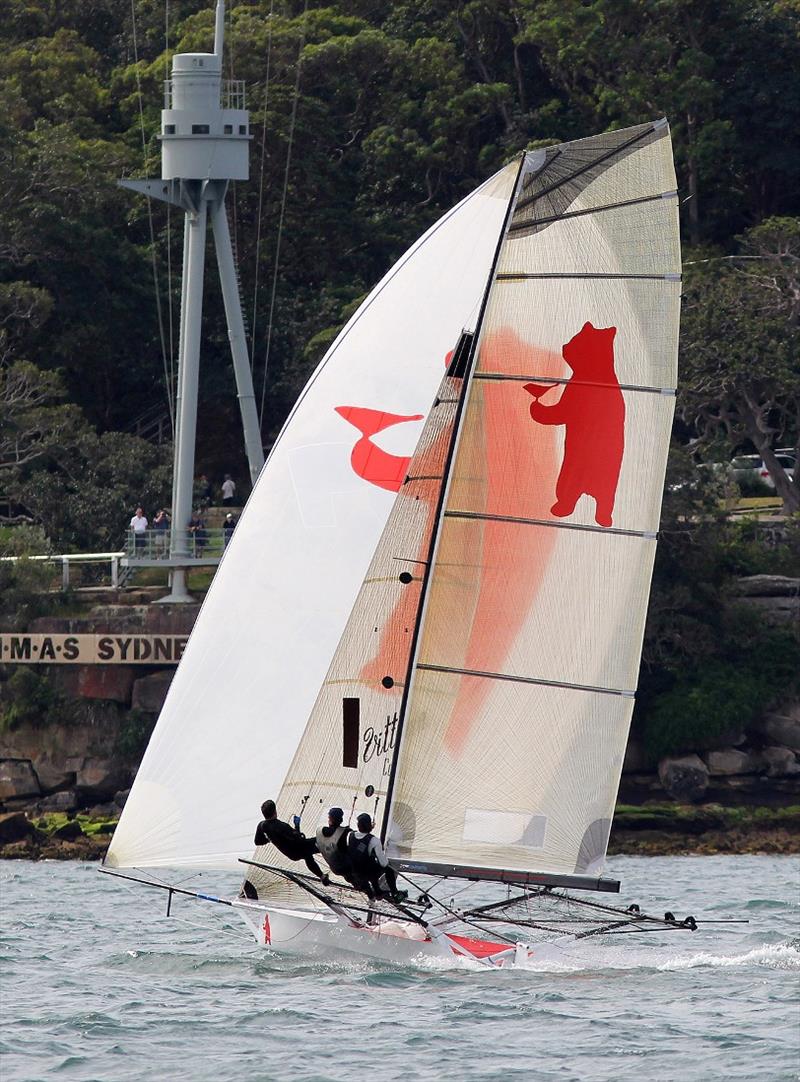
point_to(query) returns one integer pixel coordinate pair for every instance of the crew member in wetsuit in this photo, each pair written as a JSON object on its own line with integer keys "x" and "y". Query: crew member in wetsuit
{"x": 287, "y": 840}
{"x": 370, "y": 863}
{"x": 331, "y": 843}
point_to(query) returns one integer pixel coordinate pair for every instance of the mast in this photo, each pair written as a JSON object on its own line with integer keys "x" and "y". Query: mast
{"x": 468, "y": 366}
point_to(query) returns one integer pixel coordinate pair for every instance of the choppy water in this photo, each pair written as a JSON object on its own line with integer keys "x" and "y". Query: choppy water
{"x": 97, "y": 985}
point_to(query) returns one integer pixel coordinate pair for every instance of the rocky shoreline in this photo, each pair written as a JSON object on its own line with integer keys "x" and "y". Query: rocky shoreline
{"x": 647, "y": 830}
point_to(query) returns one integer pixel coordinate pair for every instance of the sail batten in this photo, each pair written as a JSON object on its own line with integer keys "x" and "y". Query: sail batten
{"x": 427, "y": 666}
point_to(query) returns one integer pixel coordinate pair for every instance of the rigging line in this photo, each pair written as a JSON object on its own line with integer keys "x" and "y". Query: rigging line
{"x": 259, "y": 214}
{"x": 276, "y": 265}
{"x": 160, "y": 314}
{"x": 170, "y": 293}
{"x": 524, "y": 680}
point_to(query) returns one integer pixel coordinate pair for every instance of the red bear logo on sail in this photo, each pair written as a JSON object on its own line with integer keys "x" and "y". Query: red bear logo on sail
{"x": 592, "y": 409}
{"x": 369, "y": 461}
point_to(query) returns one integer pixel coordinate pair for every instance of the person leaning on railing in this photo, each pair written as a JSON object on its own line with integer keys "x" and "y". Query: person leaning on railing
{"x": 161, "y": 531}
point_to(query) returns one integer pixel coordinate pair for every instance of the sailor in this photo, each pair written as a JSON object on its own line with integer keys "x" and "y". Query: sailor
{"x": 370, "y": 863}
{"x": 287, "y": 839}
{"x": 331, "y": 842}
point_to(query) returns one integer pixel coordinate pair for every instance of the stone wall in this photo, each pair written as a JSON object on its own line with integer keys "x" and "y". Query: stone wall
{"x": 92, "y": 757}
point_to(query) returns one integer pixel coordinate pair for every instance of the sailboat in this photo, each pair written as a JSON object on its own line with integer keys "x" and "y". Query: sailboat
{"x": 433, "y": 606}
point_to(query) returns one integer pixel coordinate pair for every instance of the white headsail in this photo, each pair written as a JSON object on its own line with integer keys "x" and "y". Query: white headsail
{"x": 276, "y": 609}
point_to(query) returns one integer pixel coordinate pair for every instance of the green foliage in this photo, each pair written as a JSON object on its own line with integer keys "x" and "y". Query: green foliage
{"x": 25, "y": 584}
{"x": 133, "y": 735}
{"x": 29, "y": 698}
{"x": 86, "y": 496}
{"x": 750, "y": 669}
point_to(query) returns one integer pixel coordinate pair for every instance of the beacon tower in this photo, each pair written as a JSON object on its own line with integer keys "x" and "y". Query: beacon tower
{"x": 205, "y": 135}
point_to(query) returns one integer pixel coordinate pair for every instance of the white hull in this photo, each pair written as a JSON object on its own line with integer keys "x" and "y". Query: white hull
{"x": 328, "y": 936}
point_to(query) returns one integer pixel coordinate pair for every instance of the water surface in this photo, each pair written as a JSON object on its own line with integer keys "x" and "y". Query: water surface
{"x": 98, "y": 985}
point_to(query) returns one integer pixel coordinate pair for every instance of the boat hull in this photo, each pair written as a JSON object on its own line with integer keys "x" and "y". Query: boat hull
{"x": 330, "y": 936}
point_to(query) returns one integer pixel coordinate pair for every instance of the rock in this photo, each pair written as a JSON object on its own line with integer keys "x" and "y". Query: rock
{"x": 121, "y": 797}
{"x": 684, "y": 778}
{"x": 731, "y": 761}
{"x": 16, "y": 827}
{"x": 52, "y": 775}
{"x": 17, "y": 779}
{"x": 149, "y": 692}
{"x": 106, "y": 682}
{"x": 781, "y": 729}
{"x": 69, "y": 831}
{"x": 101, "y": 778}
{"x": 767, "y": 586}
{"x": 64, "y": 801}
{"x": 780, "y": 762}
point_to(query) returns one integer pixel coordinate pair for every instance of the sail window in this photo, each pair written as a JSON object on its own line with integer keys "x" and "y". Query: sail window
{"x": 351, "y": 713}
{"x": 387, "y": 682}
{"x": 458, "y": 362}
{"x": 405, "y": 577}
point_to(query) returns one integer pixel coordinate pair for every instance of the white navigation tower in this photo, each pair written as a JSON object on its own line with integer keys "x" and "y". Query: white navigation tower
{"x": 205, "y": 136}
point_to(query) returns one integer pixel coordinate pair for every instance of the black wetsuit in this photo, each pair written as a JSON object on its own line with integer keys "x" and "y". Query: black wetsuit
{"x": 367, "y": 869}
{"x": 290, "y": 842}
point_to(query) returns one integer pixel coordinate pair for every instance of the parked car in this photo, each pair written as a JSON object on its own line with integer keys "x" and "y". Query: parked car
{"x": 749, "y": 468}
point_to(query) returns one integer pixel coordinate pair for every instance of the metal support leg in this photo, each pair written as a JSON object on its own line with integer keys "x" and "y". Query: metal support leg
{"x": 186, "y": 405}
{"x": 241, "y": 360}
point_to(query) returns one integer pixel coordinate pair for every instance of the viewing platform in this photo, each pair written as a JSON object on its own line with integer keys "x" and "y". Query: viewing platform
{"x": 201, "y": 546}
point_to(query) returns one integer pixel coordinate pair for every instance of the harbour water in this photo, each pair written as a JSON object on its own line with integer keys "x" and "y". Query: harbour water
{"x": 97, "y": 985}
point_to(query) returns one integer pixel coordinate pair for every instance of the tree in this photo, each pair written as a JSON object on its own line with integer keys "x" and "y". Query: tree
{"x": 740, "y": 369}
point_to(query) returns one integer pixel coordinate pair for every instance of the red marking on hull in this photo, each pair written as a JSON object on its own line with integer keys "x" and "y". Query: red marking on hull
{"x": 369, "y": 461}
{"x": 478, "y": 948}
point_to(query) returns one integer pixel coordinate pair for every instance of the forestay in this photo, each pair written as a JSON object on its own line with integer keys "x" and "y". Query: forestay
{"x": 278, "y": 604}
{"x": 523, "y": 680}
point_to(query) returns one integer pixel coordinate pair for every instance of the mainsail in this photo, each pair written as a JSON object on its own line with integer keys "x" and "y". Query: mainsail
{"x": 280, "y": 599}
{"x": 523, "y": 680}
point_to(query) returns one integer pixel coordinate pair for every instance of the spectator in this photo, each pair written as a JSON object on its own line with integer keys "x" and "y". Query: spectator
{"x": 197, "y": 533}
{"x": 228, "y": 526}
{"x": 139, "y": 529}
{"x": 161, "y": 530}
{"x": 202, "y": 488}
{"x": 228, "y": 491}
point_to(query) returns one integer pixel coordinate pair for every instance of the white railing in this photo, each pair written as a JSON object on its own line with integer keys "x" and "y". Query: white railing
{"x": 66, "y": 559}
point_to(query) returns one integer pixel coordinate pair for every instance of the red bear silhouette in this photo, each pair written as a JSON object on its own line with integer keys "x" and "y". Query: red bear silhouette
{"x": 593, "y": 410}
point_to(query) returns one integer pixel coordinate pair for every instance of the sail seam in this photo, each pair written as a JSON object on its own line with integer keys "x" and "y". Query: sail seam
{"x": 648, "y": 535}
{"x": 535, "y": 222}
{"x": 453, "y": 670}
{"x": 519, "y": 276}
{"x": 555, "y": 380}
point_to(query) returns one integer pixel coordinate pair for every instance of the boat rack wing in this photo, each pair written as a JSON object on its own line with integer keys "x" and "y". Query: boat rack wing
{"x": 500, "y": 875}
